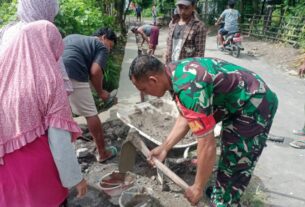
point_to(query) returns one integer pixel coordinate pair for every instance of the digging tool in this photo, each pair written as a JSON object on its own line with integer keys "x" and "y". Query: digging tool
{"x": 127, "y": 158}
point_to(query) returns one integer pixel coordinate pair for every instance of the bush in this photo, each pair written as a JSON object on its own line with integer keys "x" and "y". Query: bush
{"x": 7, "y": 12}
{"x": 82, "y": 17}
{"x": 147, "y": 12}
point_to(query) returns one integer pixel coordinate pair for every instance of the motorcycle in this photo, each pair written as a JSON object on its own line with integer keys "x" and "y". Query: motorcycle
{"x": 232, "y": 42}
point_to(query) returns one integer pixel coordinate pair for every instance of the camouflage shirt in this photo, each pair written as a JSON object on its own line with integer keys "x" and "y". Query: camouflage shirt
{"x": 215, "y": 87}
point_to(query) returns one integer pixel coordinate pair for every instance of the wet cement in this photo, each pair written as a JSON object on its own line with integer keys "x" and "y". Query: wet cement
{"x": 157, "y": 125}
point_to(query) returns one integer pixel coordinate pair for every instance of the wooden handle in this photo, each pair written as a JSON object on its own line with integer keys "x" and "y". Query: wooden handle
{"x": 138, "y": 143}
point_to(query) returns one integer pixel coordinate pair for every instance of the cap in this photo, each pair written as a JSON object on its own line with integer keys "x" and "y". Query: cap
{"x": 186, "y": 2}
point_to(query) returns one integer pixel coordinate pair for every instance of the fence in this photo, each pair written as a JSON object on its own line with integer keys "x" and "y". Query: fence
{"x": 278, "y": 28}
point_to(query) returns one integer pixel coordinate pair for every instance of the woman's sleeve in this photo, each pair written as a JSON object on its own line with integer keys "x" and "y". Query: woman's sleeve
{"x": 64, "y": 157}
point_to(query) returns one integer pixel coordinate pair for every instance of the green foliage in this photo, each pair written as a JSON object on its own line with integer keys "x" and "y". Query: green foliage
{"x": 294, "y": 19}
{"x": 81, "y": 16}
{"x": 147, "y": 12}
{"x": 144, "y": 3}
{"x": 164, "y": 5}
{"x": 7, "y": 12}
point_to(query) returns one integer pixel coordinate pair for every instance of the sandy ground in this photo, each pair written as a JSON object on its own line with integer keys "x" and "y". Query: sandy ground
{"x": 279, "y": 176}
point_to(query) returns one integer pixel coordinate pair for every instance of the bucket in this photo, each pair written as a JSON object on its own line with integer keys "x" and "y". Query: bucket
{"x": 138, "y": 197}
{"x": 113, "y": 184}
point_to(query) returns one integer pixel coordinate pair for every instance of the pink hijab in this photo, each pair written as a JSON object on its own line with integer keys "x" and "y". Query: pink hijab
{"x": 33, "y": 10}
{"x": 32, "y": 94}
{"x": 30, "y": 11}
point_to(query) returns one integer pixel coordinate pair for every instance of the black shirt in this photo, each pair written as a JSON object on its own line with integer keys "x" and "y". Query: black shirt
{"x": 80, "y": 53}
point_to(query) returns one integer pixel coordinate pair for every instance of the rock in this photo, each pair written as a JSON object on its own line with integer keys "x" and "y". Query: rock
{"x": 153, "y": 177}
{"x": 109, "y": 131}
{"x": 84, "y": 167}
{"x": 119, "y": 139}
{"x": 82, "y": 152}
{"x": 106, "y": 125}
{"x": 293, "y": 73}
{"x": 176, "y": 195}
{"x": 165, "y": 187}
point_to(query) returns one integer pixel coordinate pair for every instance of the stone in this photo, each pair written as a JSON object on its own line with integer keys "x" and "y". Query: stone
{"x": 82, "y": 152}
{"x": 293, "y": 73}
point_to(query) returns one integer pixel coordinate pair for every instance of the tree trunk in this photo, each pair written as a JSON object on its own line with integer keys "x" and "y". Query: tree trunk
{"x": 255, "y": 6}
{"x": 125, "y": 12}
{"x": 120, "y": 17}
{"x": 206, "y": 10}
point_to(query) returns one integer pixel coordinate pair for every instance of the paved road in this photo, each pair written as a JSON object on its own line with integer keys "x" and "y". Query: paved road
{"x": 281, "y": 168}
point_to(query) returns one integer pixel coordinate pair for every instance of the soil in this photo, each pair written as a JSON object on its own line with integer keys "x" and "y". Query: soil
{"x": 280, "y": 55}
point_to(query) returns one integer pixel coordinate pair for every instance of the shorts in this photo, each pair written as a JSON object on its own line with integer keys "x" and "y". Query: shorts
{"x": 81, "y": 99}
{"x": 154, "y": 37}
{"x": 223, "y": 32}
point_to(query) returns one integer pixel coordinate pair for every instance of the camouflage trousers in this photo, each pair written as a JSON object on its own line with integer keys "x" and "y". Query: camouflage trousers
{"x": 243, "y": 140}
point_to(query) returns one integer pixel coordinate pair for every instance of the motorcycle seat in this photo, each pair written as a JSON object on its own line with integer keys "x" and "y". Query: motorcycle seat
{"x": 231, "y": 33}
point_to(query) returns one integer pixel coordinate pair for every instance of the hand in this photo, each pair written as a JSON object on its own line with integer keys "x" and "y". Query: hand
{"x": 302, "y": 70}
{"x": 104, "y": 95}
{"x": 193, "y": 194}
{"x": 81, "y": 188}
{"x": 159, "y": 152}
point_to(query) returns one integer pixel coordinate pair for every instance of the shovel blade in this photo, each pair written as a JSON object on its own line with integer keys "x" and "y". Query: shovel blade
{"x": 127, "y": 157}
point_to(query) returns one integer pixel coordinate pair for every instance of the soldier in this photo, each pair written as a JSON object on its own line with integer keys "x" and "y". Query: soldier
{"x": 207, "y": 91}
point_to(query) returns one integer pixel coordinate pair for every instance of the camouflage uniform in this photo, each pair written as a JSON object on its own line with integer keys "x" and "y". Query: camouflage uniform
{"x": 242, "y": 101}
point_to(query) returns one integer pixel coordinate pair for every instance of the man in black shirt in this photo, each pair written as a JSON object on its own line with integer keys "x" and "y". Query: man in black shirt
{"x": 85, "y": 59}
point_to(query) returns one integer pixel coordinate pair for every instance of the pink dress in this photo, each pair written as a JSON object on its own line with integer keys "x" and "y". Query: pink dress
{"x": 31, "y": 167}
{"x": 32, "y": 99}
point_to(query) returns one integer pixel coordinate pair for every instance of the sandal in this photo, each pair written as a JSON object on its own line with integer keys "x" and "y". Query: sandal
{"x": 299, "y": 144}
{"x": 299, "y": 132}
{"x": 113, "y": 152}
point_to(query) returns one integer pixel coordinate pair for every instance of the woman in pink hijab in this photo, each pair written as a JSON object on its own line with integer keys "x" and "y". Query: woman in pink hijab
{"x": 30, "y": 11}
{"x": 36, "y": 124}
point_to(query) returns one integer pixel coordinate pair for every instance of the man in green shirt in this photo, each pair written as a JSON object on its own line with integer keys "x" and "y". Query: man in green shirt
{"x": 207, "y": 91}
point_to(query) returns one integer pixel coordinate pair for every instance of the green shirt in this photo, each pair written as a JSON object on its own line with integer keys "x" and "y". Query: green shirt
{"x": 214, "y": 87}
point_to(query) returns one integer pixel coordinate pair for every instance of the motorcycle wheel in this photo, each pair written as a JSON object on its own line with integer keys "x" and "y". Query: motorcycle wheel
{"x": 235, "y": 51}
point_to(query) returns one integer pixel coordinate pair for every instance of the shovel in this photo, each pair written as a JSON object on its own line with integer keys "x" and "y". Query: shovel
{"x": 128, "y": 155}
